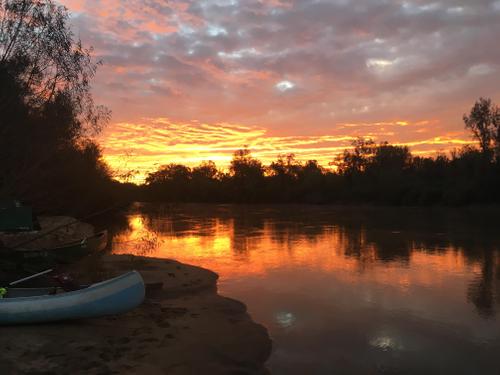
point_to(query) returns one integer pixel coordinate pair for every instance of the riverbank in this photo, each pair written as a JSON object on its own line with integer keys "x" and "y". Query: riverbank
{"x": 183, "y": 327}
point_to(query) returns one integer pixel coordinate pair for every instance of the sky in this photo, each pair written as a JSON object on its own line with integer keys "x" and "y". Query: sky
{"x": 189, "y": 81}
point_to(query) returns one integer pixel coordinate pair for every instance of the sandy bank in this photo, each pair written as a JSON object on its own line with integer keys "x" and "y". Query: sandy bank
{"x": 183, "y": 328}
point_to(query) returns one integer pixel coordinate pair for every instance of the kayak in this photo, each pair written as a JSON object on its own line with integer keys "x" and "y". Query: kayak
{"x": 40, "y": 305}
{"x": 64, "y": 254}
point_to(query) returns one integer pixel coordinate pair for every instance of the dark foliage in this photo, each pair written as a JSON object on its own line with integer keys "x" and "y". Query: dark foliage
{"x": 367, "y": 173}
{"x": 484, "y": 122}
{"x": 47, "y": 115}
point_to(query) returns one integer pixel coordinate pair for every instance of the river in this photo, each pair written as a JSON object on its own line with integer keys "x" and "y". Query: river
{"x": 345, "y": 290}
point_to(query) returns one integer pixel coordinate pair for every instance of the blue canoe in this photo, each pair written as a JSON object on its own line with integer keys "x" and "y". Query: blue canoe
{"x": 39, "y": 305}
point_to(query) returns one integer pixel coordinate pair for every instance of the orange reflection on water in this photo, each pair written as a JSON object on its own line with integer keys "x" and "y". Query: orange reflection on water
{"x": 234, "y": 251}
{"x": 403, "y": 284}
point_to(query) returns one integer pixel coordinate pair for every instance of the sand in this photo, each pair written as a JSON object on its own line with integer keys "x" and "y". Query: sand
{"x": 183, "y": 327}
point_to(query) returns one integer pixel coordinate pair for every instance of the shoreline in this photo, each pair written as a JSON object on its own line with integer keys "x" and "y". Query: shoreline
{"x": 184, "y": 327}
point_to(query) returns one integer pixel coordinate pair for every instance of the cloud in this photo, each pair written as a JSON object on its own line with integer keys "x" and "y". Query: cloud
{"x": 158, "y": 141}
{"x": 285, "y": 86}
{"x": 300, "y": 68}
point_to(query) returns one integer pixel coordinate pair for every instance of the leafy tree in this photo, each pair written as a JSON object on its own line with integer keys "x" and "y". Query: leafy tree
{"x": 285, "y": 167}
{"x": 47, "y": 114}
{"x": 247, "y": 175}
{"x": 206, "y": 170}
{"x": 207, "y": 182}
{"x": 169, "y": 173}
{"x": 244, "y": 166}
{"x": 484, "y": 122}
{"x": 355, "y": 160}
{"x": 38, "y": 48}
{"x": 172, "y": 182}
{"x": 389, "y": 157}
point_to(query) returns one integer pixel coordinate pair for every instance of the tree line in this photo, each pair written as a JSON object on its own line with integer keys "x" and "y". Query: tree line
{"x": 368, "y": 172}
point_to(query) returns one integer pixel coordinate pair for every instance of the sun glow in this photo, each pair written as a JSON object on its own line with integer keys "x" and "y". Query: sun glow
{"x": 143, "y": 147}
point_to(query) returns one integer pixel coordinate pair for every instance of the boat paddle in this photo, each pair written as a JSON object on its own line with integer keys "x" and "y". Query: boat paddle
{"x": 3, "y": 291}
{"x": 30, "y": 277}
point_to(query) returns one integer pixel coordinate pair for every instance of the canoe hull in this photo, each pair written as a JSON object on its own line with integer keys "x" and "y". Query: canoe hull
{"x": 110, "y": 297}
{"x": 65, "y": 254}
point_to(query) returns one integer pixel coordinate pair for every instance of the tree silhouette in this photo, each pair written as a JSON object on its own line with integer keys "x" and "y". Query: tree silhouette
{"x": 356, "y": 160}
{"x": 366, "y": 173}
{"x": 247, "y": 175}
{"x": 48, "y": 115}
{"x": 484, "y": 122}
{"x": 244, "y": 166}
{"x": 36, "y": 42}
{"x": 285, "y": 167}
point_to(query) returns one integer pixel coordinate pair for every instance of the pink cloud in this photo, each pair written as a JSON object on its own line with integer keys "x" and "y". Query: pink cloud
{"x": 295, "y": 68}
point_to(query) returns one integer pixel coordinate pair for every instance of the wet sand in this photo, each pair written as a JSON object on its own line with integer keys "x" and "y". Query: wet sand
{"x": 184, "y": 327}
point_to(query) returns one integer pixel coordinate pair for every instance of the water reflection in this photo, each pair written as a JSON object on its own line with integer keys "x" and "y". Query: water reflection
{"x": 484, "y": 290}
{"x": 338, "y": 285}
{"x": 285, "y": 319}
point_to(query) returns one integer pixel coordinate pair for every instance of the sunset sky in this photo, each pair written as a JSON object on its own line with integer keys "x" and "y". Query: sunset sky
{"x": 195, "y": 80}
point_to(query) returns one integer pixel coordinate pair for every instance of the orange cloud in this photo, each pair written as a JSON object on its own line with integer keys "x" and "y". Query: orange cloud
{"x": 146, "y": 145}
{"x": 312, "y": 75}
